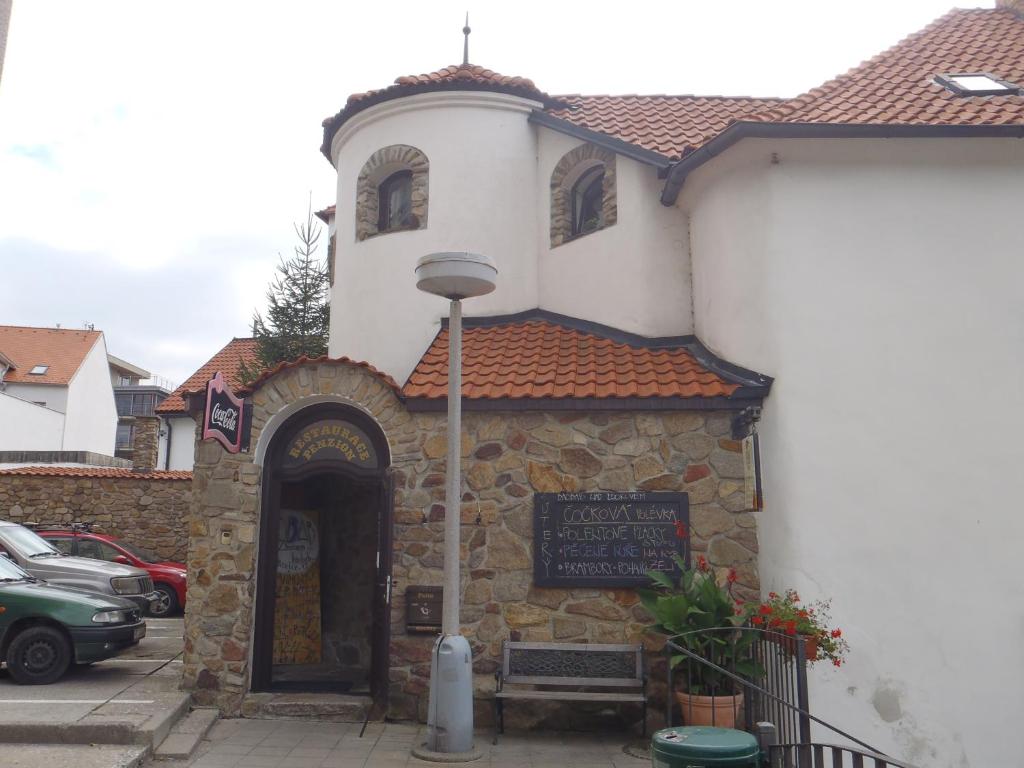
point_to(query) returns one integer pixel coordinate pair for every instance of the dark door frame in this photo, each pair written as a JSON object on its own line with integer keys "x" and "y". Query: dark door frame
{"x": 274, "y": 476}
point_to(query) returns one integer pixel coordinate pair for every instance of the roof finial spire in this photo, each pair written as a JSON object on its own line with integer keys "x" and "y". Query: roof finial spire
{"x": 465, "y": 46}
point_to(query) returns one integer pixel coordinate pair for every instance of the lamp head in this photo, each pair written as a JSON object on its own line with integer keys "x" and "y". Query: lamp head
{"x": 456, "y": 274}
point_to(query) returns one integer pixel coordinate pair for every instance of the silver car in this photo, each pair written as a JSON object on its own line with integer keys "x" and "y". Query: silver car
{"x": 41, "y": 559}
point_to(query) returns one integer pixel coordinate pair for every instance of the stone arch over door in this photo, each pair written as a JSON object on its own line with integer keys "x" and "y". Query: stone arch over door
{"x": 226, "y": 511}
{"x": 325, "y": 520}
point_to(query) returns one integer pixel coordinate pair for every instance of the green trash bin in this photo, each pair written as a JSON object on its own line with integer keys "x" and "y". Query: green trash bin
{"x": 700, "y": 746}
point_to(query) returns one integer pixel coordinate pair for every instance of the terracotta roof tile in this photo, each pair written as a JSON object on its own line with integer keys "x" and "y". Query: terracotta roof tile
{"x": 541, "y": 358}
{"x": 228, "y": 361}
{"x": 269, "y": 372}
{"x": 98, "y": 472}
{"x": 325, "y": 214}
{"x": 457, "y": 77}
{"x": 898, "y": 86}
{"x": 62, "y": 349}
{"x": 669, "y": 125}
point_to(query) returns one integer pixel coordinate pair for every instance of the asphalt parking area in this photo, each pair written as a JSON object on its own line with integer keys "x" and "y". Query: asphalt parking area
{"x": 123, "y": 692}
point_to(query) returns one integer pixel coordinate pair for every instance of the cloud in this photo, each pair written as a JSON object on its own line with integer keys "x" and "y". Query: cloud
{"x": 40, "y": 153}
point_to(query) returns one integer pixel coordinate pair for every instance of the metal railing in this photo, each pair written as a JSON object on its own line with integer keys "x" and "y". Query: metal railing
{"x": 769, "y": 669}
{"x": 828, "y": 756}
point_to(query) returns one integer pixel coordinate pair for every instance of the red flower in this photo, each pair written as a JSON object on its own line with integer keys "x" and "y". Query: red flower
{"x": 774, "y": 622}
{"x": 758, "y": 620}
{"x": 765, "y": 610}
{"x": 802, "y": 613}
{"x": 837, "y": 663}
{"x": 837, "y": 633}
{"x": 791, "y": 627}
{"x": 702, "y": 564}
{"x": 731, "y": 578}
{"x": 680, "y": 530}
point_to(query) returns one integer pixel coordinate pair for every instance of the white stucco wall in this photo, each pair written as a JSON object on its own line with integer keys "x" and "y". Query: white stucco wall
{"x": 25, "y": 426}
{"x": 490, "y": 171}
{"x": 482, "y": 177}
{"x": 183, "y": 443}
{"x": 633, "y": 275}
{"x": 91, "y": 417}
{"x": 54, "y": 395}
{"x": 880, "y": 282}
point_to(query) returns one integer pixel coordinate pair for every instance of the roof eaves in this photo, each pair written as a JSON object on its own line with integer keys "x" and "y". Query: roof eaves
{"x": 745, "y": 129}
{"x": 624, "y": 148}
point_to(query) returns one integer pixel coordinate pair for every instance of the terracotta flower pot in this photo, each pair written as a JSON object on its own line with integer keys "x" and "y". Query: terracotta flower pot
{"x": 719, "y": 711}
{"x": 789, "y": 645}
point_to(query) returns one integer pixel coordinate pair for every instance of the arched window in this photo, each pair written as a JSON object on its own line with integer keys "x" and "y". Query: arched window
{"x": 394, "y": 202}
{"x": 582, "y": 193}
{"x": 391, "y": 192}
{"x": 587, "y": 198}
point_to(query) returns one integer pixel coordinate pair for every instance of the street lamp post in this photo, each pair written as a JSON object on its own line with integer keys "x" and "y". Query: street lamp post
{"x": 455, "y": 276}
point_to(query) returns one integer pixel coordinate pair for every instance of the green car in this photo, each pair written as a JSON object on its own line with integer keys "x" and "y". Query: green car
{"x": 43, "y": 628}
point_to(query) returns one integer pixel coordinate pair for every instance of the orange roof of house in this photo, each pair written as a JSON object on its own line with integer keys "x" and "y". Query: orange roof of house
{"x": 325, "y": 214}
{"x": 228, "y": 361}
{"x": 457, "y": 77}
{"x": 898, "y": 85}
{"x": 542, "y": 356}
{"x": 98, "y": 472}
{"x": 62, "y": 349}
{"x": 668, "y": 125}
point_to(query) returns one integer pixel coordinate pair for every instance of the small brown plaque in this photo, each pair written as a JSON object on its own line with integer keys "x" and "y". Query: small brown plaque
{"x": 423, "y": 609}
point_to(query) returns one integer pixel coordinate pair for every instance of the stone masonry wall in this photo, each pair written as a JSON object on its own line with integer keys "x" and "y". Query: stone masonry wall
{"x": 507, "y": 457}
{"x": 149, "y": 513}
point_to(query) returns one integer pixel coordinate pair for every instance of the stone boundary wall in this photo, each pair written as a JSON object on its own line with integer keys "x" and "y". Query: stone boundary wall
{"x": 507, "y": 458}
{"x": 149, "y": 513}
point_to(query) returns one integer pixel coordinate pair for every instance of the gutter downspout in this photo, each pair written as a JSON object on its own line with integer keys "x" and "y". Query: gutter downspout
{"x": 170, "y": 434}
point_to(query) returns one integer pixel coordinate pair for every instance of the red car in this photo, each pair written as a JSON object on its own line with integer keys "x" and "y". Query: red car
{"x": 168, "y": 577}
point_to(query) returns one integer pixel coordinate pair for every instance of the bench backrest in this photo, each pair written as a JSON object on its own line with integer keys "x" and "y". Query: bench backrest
{"x": 573, "y": 664}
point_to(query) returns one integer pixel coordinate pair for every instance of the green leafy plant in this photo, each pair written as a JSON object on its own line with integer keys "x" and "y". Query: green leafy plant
{"x": 702, "y": 616}
{"x": 787, "y": 615}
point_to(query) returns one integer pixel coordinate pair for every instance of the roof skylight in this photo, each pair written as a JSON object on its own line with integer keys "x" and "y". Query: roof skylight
{"x": 39, "y": 370}
{"x": 977, "y": 84}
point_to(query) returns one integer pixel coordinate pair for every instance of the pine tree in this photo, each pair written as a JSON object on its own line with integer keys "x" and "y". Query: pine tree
{"x": 298, "y": 306}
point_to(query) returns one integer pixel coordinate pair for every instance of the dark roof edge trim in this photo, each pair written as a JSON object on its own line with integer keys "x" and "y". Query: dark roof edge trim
{"x": 397, "y": 91}
{"x": 756, "y": 130}
{"x": 618, "y": 146}
{"x": 737, "y": 402}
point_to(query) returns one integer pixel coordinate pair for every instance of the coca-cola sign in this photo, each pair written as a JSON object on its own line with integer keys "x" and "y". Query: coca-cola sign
{"x": 225, "y": 415}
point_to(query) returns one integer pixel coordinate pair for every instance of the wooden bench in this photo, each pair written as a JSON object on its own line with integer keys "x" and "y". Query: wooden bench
{"x": 557, "y": 672}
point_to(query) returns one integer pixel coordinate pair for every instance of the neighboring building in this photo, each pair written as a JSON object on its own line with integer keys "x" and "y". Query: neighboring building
{"x": 859, "y": 244}
{"x": 55, "y": 391}
{"x": 133, "y": 399}
{"x": 178, "y": 431}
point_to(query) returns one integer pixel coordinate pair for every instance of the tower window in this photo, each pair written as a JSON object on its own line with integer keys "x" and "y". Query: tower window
{"x": 587, "y": 202}
{"x": 394, "y": 202}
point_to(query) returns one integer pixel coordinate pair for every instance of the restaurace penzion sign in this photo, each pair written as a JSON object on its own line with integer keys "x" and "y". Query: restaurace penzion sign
{"x": 332, "y": 439}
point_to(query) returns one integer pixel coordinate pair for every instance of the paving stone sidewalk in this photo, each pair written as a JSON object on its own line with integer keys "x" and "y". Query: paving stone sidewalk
{"x": 302, "y": 744}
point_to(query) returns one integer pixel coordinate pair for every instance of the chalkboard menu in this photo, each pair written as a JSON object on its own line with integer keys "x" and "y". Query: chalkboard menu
{"x": 607, "y": 539}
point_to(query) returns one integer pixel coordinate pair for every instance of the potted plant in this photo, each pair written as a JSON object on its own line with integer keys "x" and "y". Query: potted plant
{"x": 787, "y": 616}
{"x": 701, "y": 615}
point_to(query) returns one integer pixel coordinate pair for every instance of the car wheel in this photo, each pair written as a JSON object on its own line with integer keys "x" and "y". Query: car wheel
{"x": 166, "y": 604}
{"x": 38, "y": 656}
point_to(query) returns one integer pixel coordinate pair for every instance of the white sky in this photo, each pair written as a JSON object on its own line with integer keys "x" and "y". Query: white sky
{"x": 154, "y": 155}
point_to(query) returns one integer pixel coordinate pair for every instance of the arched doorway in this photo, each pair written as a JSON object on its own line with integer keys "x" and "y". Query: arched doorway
{"x": 322, "y": 619}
